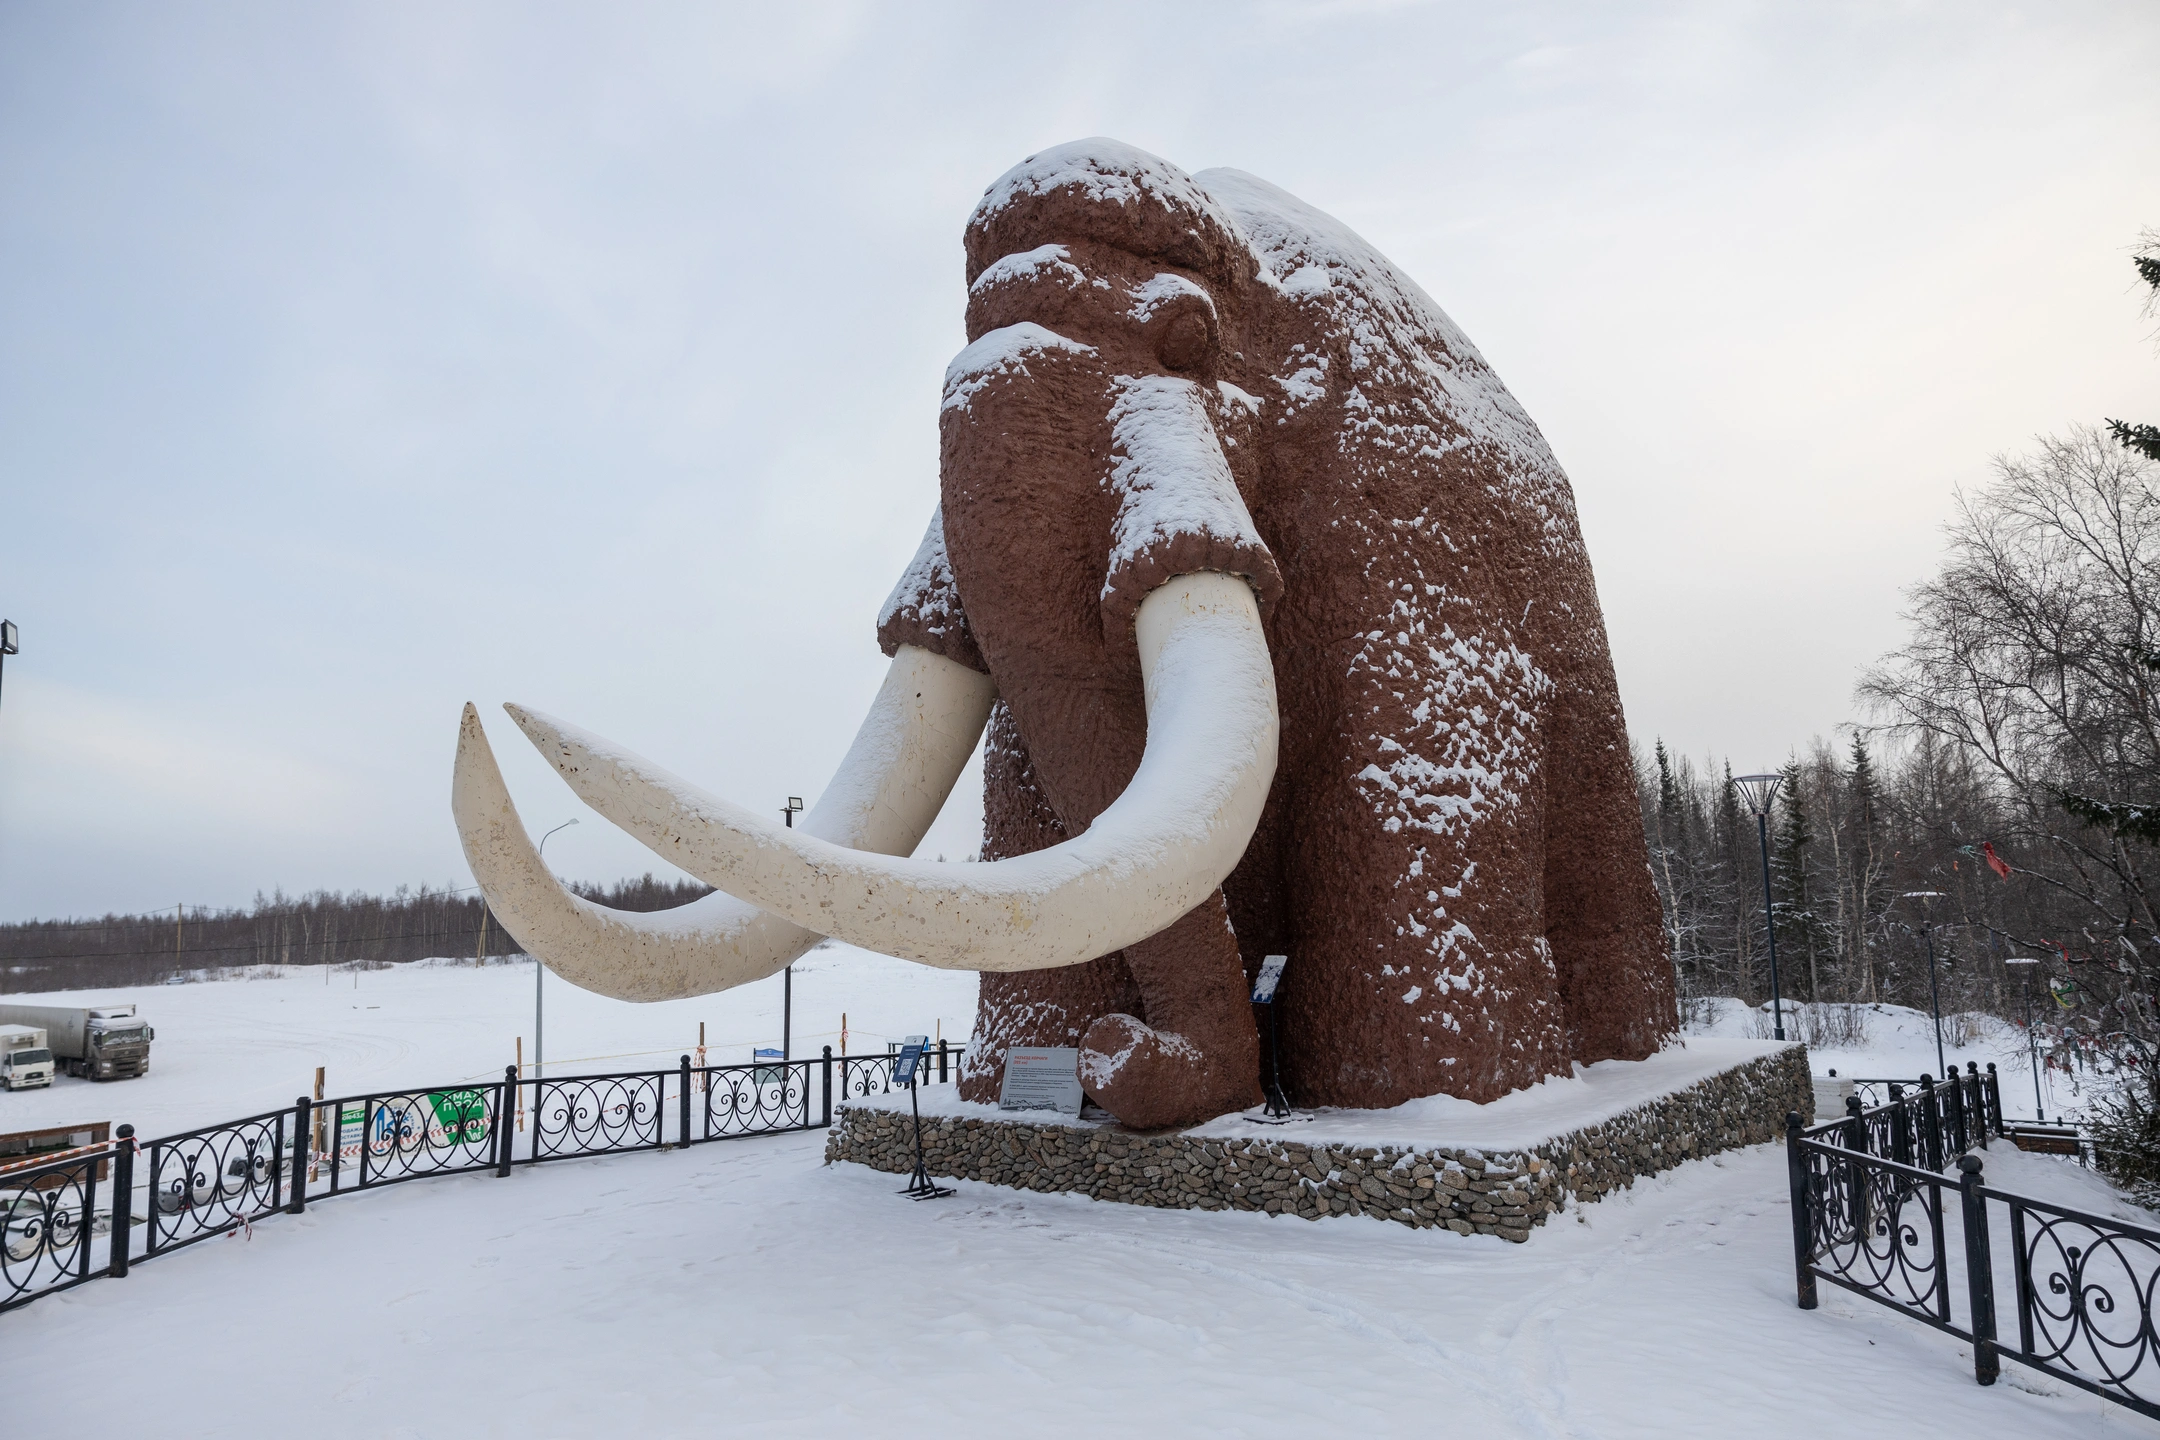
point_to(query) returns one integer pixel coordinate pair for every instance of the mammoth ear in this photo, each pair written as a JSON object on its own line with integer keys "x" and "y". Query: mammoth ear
{"x": 1179, "y": 510}
{"x": 924, "y": 608}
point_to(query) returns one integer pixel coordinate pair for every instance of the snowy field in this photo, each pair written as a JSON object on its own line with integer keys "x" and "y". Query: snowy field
{"x": 228, "y": 1048}
{"x": 745, "y": 1288}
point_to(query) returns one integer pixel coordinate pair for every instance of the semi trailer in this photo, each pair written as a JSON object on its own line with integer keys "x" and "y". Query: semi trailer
{"x": 101, "y": 1042}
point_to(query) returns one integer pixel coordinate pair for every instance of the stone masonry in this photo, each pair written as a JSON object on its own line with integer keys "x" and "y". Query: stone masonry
{"x": 1469, "y": 1191}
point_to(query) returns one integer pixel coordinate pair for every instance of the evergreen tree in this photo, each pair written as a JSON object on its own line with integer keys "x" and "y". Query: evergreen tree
{"x": 1736, "y": 842}
{"x": 1795, "y": 918}
{"x": 2145, "y": 439}
{"x": 1864, "y": 809}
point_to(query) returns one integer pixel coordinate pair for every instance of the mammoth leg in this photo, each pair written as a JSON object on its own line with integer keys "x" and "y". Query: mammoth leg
{"x": 1050, "y": 1008}
{"x": 1601, "y": 912}
{"x": 1198, "y": 1054}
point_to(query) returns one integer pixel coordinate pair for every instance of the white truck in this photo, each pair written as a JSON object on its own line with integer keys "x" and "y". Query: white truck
{"x": 104, "y": 1042}
{"x": 25, "y": 1059}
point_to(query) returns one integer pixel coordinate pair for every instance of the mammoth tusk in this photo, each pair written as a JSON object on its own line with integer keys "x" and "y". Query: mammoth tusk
{"x": 1155, "y": 853}
{"x": 911, "y": 748}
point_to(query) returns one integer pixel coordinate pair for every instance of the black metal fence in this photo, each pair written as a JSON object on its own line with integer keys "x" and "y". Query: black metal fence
{"x": 1874, "y": 1213}
{"x": 75, "y": 1218}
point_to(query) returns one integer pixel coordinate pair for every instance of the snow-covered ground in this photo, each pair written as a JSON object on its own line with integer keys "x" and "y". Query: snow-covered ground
{"x": 745, "y": 1288}
{"x": 228, "y": 1048}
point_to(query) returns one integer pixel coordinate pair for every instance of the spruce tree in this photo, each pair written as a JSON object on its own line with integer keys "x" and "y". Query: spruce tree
{"x": 1864, "y": 799}
{"x": 2145, "y": 439}
{"x": 1737, "y": 840}
{"x": 1795, "y": 920}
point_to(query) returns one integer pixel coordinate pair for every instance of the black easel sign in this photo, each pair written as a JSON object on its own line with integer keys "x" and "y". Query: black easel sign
{"x": 1263, "y": 993}
{"x": 905, "y": 1064}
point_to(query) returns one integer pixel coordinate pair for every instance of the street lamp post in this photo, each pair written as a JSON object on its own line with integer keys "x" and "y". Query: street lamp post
{"x": 2032, "y": 1036}
{"x": 540, "y": 973}
{"x": 1927, "y": 934}
{"x": 788, "y": 812}
{"x": 1759, "y": 791}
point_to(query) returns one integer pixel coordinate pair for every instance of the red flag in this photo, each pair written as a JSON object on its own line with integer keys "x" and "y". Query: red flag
{"x": 1995, "y": 862}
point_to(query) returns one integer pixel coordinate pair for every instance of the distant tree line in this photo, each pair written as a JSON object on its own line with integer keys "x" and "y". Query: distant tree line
{"x": 322, "y": 928}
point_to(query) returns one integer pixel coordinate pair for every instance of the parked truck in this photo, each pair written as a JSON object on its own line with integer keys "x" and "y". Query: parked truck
{"x": 25, "y": 1059}
{"x": 104, "y": 1042}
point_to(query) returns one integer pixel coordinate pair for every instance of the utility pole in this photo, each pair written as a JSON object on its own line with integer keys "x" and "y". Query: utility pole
{"x": 788, "y": 813}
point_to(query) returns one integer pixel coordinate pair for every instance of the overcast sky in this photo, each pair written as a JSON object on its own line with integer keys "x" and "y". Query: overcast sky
{"x": 359, "y": 360}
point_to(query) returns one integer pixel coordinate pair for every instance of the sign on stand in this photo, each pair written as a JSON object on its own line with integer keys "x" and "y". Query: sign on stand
{"x": 1263, "y": 993}
{"x": 1041, "y": 1079}
{"x": 920, "y": 1186}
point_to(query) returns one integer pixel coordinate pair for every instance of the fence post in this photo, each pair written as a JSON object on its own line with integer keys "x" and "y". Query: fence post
{"x": 303, "y": 1108}
{"x": 1856, "y": 1141}
{"x": 502, "y": 1121}
{"x": 942, "y": 1076}
{"x": 1979, "y": 1271}
{"x": 1994, "y": 1094}
{"x": 123, "y": 1199}
{"x": 1930, "y": 1124}
{"x": 827, "y": 1122}
{"x": 1954, "y": 1097}
{"x": 1803, "y": 1227}
{"x": 1900, "y": 1125}
{"x": 683, "y": 1134}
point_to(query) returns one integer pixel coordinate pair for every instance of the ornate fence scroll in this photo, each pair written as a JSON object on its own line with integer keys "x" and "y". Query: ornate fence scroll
{"x": 2083, "y": 1295}
{"x": 760, "y": 1099}
{"x": 211, "y": 1181}
{"x": 1874, "y": 1213}
{"x": 49, "y": 1222}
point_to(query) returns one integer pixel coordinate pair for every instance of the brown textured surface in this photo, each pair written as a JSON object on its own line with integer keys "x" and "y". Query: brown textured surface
{"x": 1451, "y": 854}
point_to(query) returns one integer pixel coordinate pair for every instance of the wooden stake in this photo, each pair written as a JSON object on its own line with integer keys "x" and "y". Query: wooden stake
{"x": 315, "y": 1149}
{"x": 520, "y": 1089}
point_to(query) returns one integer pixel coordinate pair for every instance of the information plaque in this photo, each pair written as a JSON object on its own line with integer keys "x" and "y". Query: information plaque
{"x": 909, "y": 1060}
{"x": 1263, "y": 985}
{"x": 1041, "y": 1079}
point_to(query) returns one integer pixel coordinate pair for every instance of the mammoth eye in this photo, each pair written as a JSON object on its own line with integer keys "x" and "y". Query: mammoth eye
{"x": 1183, "y": 343}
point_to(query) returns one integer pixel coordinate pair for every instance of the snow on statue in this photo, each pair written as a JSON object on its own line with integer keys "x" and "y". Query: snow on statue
{"x": 1273, "y": 602}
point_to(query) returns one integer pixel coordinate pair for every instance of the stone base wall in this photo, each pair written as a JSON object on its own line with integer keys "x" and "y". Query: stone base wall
{"x": 1472, "y": 1192}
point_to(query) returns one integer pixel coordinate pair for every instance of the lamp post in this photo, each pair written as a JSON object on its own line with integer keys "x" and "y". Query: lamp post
{"x": 9, "y": 642}
{"x": 540, "y": 974}
{"x": 788, "y": 812}
{"x": 1927, "y": 933}
{"x": 2032, "y": 1036}
{"x": 1759, "y": 791}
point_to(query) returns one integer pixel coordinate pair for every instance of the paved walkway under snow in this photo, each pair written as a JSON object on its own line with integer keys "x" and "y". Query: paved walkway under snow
{"x": 744, "y": 1288}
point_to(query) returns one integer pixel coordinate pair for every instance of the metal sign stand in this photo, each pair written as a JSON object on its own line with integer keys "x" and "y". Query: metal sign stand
{"x": 919, "y": 1186}
{"x": 1263, "y": 993}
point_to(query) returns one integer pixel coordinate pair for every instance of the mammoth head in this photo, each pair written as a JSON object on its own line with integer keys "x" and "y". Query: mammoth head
{"x": 1113, "y": 584}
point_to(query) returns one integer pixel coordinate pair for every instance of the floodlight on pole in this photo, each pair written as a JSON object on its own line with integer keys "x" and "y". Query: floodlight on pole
{"x": 540, "y": 974}
{"x": 1758, "y": 792}
{"x": 1927, "y": 933}
{"x": 788, "y": 812}
{"x": 10, "y": 642}
{"x": 2032, "y": 1036}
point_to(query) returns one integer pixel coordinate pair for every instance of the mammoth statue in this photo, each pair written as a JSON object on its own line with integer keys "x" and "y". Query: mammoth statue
{"x": 1273, "y": 603}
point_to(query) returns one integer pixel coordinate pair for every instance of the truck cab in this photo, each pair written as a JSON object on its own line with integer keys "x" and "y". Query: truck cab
{"x": 117, "y": 1045}
{"x": 26, "y": 1061}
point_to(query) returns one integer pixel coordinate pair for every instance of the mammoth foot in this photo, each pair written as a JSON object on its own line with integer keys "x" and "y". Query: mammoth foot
{"x": 1153, "y": 1079}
